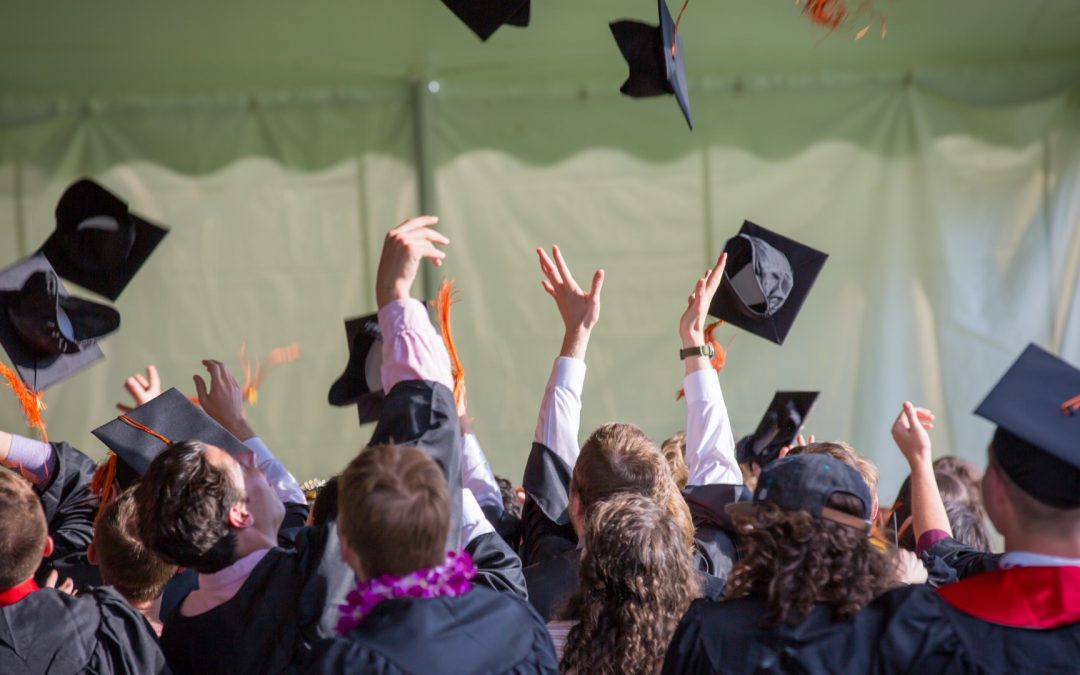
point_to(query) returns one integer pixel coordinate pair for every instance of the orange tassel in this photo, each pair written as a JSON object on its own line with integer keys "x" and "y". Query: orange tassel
{"x": 718, "y": 359}
{"x": 444, "y": 299}
{"x": 277, "y": 356}
{"x": 30, "y": 401}
{"x": 104, "y": 481}
{"x": 1071, "y": 406}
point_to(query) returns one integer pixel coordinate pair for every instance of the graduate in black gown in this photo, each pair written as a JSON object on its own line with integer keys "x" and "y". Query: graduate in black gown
{"x": 43, "y": 630}
{"x": 809, "y": 567}
{"x": 1022, "y": 614}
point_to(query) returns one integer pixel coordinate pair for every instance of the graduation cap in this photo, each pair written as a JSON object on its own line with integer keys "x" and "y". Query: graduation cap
{"x": 484, "y": 17}
{"x": 767, "y": 278}
{"x": 783, "y": 421}
{"x": 361, "y": 383}
{"x": 656, "y": 59}
{"x": 99, "y": 244}
{"x": 1036, "y": 407}
{"x": 48, "y": 335}
{"x": 142, "y": 434}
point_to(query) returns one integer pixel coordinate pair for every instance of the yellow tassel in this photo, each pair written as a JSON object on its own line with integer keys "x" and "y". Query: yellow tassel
{"x": 252, "y": 382}
{"x": 444, "y": 299}
{"x": 30, "y": 401}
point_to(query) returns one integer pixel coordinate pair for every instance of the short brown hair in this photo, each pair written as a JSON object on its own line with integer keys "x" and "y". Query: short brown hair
{"x": 674, "y": 450}
{"x": 125, "y": 563}
{"x": 619, "y": 458}
{"x": 23, "y": 529}
{"x": 1033, "y": 514}
{"x": 846, "y": 454}
{"x": 394, "y": 509}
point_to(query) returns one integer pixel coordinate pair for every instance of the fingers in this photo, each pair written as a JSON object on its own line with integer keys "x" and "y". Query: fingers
{"x": 200, "y": 388}
{"x": 910, "y": 417}
{"x": 548, "y": 287}
{"x": 417, "y": 223}
{"x": 141, "y": 380}
{"x": 597, "y": 284}
{"x": 155, "y": 378}
{"x": 564, "y": 269}
{"x": 548, "y": 267}
{"x": 67, "y": 586}
{"x": 124, "y": 408}
{"x": 50, "y": 581}
{"x": 717, "y": 272}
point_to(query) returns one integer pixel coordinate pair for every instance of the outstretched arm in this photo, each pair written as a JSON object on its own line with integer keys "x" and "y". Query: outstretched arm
{"x": 710, "y": 445}
{"x": 927, "y": 509}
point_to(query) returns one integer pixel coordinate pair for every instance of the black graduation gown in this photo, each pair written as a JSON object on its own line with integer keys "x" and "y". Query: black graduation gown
{"x": 715, "y": 537}
{"x": 289, "y": 601}
{"x": 728, "y": 637}
{"x": 479, "y": 632}
{"x": 97, "y": 632}
{"x": 964, "y": 560}
{"x": 70, "y": 509}
{"x": 993, "y": 623}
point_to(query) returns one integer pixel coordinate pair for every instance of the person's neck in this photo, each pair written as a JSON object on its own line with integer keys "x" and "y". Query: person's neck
{"x": 151, "y": 611}
{"x": 1045, "y": 544}
{"x": 251, "y": 541}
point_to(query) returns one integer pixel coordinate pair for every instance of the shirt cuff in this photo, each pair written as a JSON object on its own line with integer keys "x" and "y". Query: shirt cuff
{"x": 35, "y": 460}
{"x": 568, "y": 373}
{"x": 701, "y": 385}
{"x": 928, "y": 539}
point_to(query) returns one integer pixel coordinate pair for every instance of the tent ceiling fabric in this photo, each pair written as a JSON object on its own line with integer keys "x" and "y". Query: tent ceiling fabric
{"x": 116, "y": 48}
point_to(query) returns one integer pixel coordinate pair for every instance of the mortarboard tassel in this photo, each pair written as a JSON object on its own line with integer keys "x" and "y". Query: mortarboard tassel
{"x": 444, "y": 299}
{"x": 277, "y": 356}
{"x": 718, "y": 358}
{"x": 1071, "y": 407}
{"x": 827, "y": 13}
{"x": 30, "y": 401}
{"x": 104, "y": 481}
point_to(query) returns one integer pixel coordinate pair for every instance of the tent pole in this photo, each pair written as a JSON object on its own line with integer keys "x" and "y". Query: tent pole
{"x": 423, "y": 91}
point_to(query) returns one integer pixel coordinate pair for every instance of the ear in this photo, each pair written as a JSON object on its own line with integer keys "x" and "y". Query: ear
{"x": 48, "y": 548}
{"x": 577, "y": 515}
{"x": 91, "y": 554}
{"x": 875, "y": 507}
{"x": 239, "y": 516}
{"x": 348, "y": 555}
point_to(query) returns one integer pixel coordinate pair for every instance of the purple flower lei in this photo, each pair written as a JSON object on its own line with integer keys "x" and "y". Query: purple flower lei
{"x": 450, "y": 578}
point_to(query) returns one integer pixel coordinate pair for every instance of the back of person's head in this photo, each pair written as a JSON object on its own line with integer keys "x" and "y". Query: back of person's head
{"x": 846, "y": 454}
{"x": 674, "y": 450}
{"x": 23, "y": 529}
{"x": 637, "y": 579}
{"x": 510, "y": 501}
{"x": 619, "y": 458}
{"x": 325, "y": 507}
{"x": 125, "y": 563}
{"x": 394, "y": 510}
{"x": 954, "y": 494}
{"x": 968, "y": 525}
{"x": 967, "y": 473}
{"x": 795, "y": 560}
{"x": 1029, "y": 513}
{"x": 184, "y": 502}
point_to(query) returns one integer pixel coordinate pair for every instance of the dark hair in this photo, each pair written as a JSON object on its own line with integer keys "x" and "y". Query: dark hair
{"x": 394, "y": 510}
{"x": 23, "y": 529}
{"x": 325, "y": 507}
{"x": 125, "y": 563}
{"x": 899, "y": 522}
{"x": 637, "y": 579}
{"x": 619, "y": 458}
{"x": 509, "y": 497}
{"x": 795, "y": 560}
{"x": 184, "y": 503}
{"x": 968, "y": 474}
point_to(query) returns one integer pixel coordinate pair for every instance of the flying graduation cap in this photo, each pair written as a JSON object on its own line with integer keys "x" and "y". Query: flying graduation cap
{"x": 656, "y": 59}
{"x": 766, "y": 281}
{"x": 98, "y": 243}
{"x": 484, "y": 17}
{"x": 47, "y": 334}
{"x": 1036, "y": 407}
{"x": 783, "y": 421}
{"x": 361, "y": 383}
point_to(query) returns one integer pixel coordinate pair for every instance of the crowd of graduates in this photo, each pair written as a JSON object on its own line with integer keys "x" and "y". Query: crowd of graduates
{"x": 193, "y": 550}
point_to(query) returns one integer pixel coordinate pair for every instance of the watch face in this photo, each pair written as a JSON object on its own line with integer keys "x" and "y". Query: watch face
{"x": 707, "y": 351}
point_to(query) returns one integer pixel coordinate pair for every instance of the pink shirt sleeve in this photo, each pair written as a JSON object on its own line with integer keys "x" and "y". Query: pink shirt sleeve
{"x": 412, "y": 349}
{"x": 35, "y": 460}
{"x": 928, "y": 539}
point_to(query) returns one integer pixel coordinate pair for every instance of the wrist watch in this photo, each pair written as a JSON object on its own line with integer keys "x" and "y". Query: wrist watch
{"x": 705, "y": 350}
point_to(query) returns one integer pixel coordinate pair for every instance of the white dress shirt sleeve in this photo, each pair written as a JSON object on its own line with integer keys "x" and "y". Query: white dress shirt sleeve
{"x": 710, "y": 445}
{"x": 560, "y": 412}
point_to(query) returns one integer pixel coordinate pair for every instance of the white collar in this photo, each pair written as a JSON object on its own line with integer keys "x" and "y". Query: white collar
{"x": 1030, "y": 559}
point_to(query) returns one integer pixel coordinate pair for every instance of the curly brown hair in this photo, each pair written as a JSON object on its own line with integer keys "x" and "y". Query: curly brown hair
{"x": 637, "y": 580}
{"x": 796, "y": 560}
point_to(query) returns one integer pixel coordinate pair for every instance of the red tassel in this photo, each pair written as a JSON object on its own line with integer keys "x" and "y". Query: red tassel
{"x": 30, "y": 401}
{"x": 443, "y": 300}
{"x": 828, "y": 13}
{"x": 277, "y": 356}
{"x": 718, "y": 359}
{"x": 104, "y": 481}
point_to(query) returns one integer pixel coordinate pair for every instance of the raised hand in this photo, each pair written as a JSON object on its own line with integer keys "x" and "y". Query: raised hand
{"x": 142, "y": 389}
{"x": 403, "y": 249}
{"x": 579, "y": 310}
{"x": 224, "y": 400}
{"x": 692, "y": 323}
{"x": 66, "y": 586}
{"x": 909, "y": 431}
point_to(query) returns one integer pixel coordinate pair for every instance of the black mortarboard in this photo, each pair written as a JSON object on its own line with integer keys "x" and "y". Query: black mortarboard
{"x": 361, "y": 383}
{"x": 1036, "y": 407}
{"x": 782, "y": 422}
{"x": 656, "y": 69}
{"x": 142, "y": 434}
{"x": 48, "y": 335}
{"x": 99, "y": 244}
{"x": 767, "y": 278}
{"x": 805, "y": 483}
{"x": 484, "y": 17}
